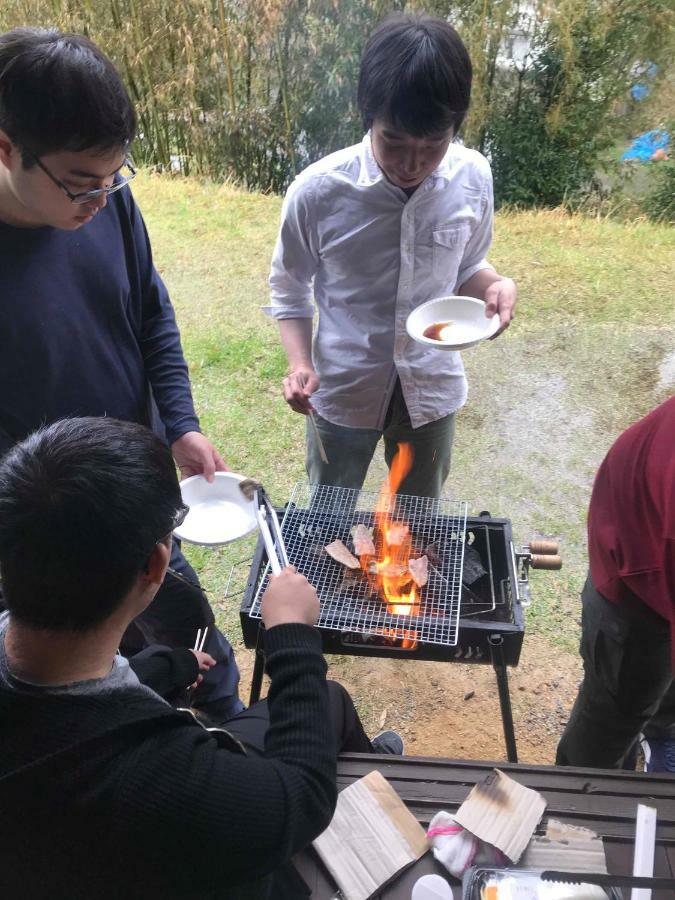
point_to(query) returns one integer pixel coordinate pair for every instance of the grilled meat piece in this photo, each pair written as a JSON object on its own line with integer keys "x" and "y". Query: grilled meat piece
{"x": 397, "y": 533}
{"x": 363, "y": 540}
{"x": 341, "y": 554}
{"x": 419, "y": 569}
{"x": 390, "y": 570}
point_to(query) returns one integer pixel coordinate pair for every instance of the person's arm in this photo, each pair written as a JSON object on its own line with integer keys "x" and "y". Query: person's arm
{"x": 476, "y": 277}
{"x": 162, "y": 352}
{"x": 302, "y": 380}
{"x": 498, "y": 293}
{"x": 167, "y": 671}
{"x": 294, "y": 264}
{"x": 236, "y": 818}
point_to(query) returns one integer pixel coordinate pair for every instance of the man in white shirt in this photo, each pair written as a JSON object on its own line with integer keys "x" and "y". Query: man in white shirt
{"x": 368, "y": 234}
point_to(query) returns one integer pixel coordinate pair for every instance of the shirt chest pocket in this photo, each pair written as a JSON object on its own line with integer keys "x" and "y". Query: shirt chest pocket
{"x": 448, "y": 246}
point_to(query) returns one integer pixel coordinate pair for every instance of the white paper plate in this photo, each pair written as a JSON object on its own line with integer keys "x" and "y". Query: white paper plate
{"x": 467, "y": 315}
{"x": 219, "y": 512}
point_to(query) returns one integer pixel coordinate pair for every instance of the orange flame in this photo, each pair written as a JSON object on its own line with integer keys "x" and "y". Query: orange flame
{"x": 389, "y": 573}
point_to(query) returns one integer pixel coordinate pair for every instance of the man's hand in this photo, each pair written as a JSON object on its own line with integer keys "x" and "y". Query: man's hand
{"x": 289, "y": 599}
{"x": 195, "y": 455}
{"x": 500, "y": 297}
{"x": 299, "y": 386}
{"x": 206, "y": 662}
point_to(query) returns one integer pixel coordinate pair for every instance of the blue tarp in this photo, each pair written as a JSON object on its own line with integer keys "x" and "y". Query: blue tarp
{"x": 644, "y": 146}
{"x": 642, "y": 87}
{"x": 640, "y": 91}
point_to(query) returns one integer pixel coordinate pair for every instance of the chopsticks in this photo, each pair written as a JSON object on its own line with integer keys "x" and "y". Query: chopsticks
{"x": 198, "y": 648}
{"x": 315, "y": 427}
{"x": 319, "y": 442}
{"x": 201, "y": 639}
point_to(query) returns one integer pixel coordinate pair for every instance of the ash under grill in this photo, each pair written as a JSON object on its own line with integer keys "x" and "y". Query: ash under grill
{"x": 317, "y": 515}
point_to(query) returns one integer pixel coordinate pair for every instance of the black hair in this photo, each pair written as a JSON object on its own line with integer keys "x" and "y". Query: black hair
{"x": 415, "y": 75}
{"x": 60, "y": 92}
{"x": 83, "y": 502}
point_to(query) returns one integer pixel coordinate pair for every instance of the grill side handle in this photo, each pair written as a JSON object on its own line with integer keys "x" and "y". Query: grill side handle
{"x": 521, "y": 577}
{"x": 536, "y": 555}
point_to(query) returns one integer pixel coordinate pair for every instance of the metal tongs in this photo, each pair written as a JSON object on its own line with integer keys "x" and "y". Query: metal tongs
{"x": 268, "y": 523}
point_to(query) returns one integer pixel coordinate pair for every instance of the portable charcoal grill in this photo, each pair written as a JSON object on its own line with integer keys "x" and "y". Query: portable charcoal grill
{"x": 470, "y": 610}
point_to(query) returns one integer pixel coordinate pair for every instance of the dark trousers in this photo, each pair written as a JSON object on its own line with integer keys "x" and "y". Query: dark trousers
{"x": 628, "y": 685}
{"x": 173, "y": 618}
{"x": 250, "y": 726}
{"x": 350, "y": 450}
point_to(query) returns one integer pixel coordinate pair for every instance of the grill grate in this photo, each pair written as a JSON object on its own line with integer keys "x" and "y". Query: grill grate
{"x": 319, "y": 514}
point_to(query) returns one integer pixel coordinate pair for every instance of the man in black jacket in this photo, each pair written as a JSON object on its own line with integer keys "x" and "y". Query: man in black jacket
{"x": 106, "y": 791}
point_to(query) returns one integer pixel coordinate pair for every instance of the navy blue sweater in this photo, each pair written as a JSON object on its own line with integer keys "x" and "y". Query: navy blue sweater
{"x": 87, "y": 327}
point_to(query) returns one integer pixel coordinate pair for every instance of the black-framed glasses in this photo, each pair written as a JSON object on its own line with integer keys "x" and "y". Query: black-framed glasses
{"x": 86, "y": 196}
{"x": 179, "y": 516}
{"x": 176, "y": 521}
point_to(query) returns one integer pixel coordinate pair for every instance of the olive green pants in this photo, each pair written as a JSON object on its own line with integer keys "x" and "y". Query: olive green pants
{"x": 350, "y": 450}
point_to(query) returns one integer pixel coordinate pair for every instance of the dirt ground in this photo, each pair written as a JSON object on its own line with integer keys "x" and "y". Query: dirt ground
{"x": 452, "y": 709}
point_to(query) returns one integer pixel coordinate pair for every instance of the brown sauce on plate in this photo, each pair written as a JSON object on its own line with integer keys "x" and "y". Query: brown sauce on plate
{"x": 433, "y": 332}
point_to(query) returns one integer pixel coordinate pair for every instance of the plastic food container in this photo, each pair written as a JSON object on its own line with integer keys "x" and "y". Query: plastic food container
{"x": 526, "y": 884}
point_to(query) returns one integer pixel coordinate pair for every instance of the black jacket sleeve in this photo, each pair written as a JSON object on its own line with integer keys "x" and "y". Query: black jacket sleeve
{"x": 164, "y": 670}
{"x": 235, "y": 817}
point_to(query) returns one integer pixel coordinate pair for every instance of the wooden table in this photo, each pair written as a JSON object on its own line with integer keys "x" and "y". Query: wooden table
{"x": 604, "y": 801}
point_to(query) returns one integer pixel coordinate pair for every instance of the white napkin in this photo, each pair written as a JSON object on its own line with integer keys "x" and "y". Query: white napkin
{"x": 457, "y": 849}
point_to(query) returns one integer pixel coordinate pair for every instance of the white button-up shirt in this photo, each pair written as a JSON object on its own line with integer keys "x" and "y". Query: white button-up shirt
{"x": 366, "y": 254}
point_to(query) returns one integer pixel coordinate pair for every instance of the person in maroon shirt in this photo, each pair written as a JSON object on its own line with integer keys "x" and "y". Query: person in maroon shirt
{"x": 628, "y": 616}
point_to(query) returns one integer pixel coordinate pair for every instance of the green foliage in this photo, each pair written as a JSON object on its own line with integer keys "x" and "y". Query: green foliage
{"x": 251, "y": 91}
{"x": 546, "y": 120}
{"x": 659, "y": 204}
{"x": 534, "y": 165}
{"x": 254, "y": 90}
{"x": 549, "y": 134}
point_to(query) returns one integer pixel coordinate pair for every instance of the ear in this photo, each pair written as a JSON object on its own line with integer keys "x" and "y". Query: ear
{"x": 157, "y": 563}
{"x": 9, "y": 152}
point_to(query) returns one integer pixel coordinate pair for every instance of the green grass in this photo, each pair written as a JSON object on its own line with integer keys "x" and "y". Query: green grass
{"x": 595, "y": 322}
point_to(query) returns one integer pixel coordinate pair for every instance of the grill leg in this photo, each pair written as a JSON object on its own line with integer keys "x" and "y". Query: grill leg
{"x": 496, "y": 642}
{"x": 258, "y": 670}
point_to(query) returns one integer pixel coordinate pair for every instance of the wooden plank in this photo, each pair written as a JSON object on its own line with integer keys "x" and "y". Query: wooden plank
{"x": 459, "y": 765}
{"x": 592, "y": 806}
{"x": 314, "y": 873}
{"x": 622, "y": 829}
{"x": 587, "y": 781}
{"x": 401, "y": 887}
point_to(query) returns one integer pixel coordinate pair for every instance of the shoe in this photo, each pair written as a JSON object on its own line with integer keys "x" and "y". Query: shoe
{"x": 661, "y": 755}
{"x": 388, "y": 742}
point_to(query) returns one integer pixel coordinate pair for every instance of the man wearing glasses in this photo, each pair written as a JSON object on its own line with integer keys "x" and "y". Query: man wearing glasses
{"x": 87, "y": 326}
{"x": 110, "y": 792}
